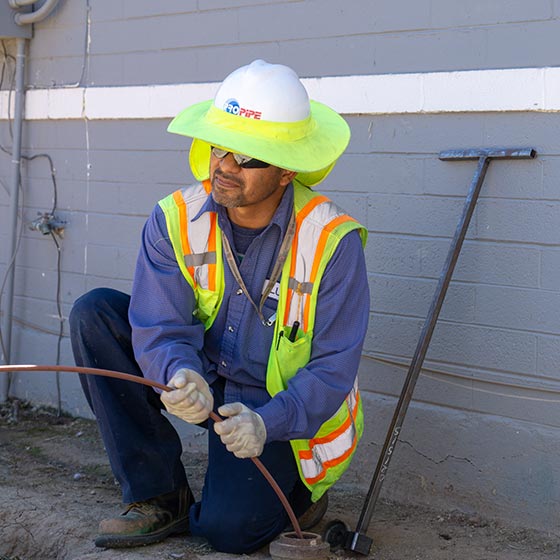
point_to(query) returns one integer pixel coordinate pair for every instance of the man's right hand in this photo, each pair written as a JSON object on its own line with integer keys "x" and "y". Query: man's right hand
{"x": 191, "y": 399}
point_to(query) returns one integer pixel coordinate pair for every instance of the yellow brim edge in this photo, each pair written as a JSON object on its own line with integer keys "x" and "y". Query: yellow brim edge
{"x": 316, "y": 152}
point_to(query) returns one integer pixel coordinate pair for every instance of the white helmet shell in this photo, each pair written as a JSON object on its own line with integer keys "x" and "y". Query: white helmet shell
{"x": 263, "y": 91}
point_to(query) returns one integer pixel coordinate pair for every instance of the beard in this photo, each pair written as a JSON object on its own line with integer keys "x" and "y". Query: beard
{"x": 257, "y": 192}
{"x": 230, "y": 196}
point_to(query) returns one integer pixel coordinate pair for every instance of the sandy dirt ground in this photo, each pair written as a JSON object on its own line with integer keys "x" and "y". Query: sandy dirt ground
{"x": 56, "y": 484}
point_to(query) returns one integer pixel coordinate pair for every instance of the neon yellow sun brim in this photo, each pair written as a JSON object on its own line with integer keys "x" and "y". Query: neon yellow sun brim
{"x": 309, "y": 147}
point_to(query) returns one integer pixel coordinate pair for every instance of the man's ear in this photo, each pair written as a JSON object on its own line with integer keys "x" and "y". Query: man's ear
{"x": 286, "y": 177}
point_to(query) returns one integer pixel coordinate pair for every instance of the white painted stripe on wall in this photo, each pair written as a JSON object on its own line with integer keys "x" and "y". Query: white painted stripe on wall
{"x": 516, "y": 89}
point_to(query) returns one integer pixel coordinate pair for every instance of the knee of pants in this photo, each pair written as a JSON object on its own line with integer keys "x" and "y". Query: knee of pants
{"x": 237, "y": 532}
{"x": 88, "y": 306}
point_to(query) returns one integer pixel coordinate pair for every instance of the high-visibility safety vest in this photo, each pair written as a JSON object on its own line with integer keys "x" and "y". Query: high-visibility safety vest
{"x": 320, "y": 225}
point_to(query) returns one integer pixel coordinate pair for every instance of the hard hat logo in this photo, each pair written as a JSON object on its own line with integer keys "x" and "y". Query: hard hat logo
{"x": 232, "y": 106}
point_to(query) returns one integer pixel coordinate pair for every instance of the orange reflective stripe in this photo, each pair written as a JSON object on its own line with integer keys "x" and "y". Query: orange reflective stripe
{"x": 180, "y": 202}
{"x": 207, "y": 186}
{"x": 334, "y": 434}
{"x": 307, "y": 454}
{"x": 310, "y": 206}
{"x": 318, "y": 255}
{"x": 333, "y": 463}
{"x": 212, "y": 249}
{"x": 301, "y": 215}
{"x": 182, "y": 208}
{"x": 326, "y": 439}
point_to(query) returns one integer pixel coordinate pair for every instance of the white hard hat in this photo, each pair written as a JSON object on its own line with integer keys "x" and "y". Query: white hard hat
{"x": 263, "y": 111}
{"x": 268, "y": 92}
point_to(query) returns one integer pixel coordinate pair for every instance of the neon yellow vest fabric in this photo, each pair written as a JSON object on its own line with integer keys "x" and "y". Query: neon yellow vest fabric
{"x": 320, "y": 225}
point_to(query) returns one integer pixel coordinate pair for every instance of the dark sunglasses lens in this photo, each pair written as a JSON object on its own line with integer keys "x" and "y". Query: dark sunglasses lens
{"x": 254, "y": 164}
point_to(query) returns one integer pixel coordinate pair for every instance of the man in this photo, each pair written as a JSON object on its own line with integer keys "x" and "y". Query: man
{"x": 250, "y": 298}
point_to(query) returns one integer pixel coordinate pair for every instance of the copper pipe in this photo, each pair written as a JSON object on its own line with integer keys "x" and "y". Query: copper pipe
{"x": 143, "y": 381}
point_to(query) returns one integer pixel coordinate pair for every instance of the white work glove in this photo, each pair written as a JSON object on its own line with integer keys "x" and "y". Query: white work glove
{"x": 243, "y": 432}
{"x": 191, "y": 399}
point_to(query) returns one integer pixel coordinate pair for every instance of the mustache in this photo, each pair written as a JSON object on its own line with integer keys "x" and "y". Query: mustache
{"x": 227, "y": 177}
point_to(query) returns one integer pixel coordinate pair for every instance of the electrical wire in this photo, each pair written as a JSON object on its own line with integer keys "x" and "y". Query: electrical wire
{"x": 12, "y": 261}
{"x": 61, "y": 324}
{"x": 85, "y": 57}
{"x": 11, "y": 86}
{"x": 151, "y": 383}
{"x": 4, "y": 187}
{"x": 60, "y": 333}
{"x": 9, "y": 265}
{"x": 87, "y": 43}
{"x": 7, "y": 57}
{"x": 9, "y": 268}
{"x": 36, "y": 327}
{"x": 426, "y": 370}
{"x": 53, "y": 176}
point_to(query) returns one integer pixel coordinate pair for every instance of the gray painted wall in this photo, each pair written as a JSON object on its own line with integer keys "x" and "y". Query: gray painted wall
{"x": 145, "y": 42}
{"x": 482, "y": 434}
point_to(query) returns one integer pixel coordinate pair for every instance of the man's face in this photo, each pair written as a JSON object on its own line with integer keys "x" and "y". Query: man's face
{"x": 255, "y": 192}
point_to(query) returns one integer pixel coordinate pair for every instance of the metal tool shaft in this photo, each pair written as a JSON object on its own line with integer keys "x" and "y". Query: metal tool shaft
{"x": 358, "y": 541}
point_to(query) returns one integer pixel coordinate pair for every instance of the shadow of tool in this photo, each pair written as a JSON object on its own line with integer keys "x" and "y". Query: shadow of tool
{"x": 336, "y": 533}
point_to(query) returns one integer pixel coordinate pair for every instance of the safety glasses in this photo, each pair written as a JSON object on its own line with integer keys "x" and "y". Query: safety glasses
{"x": 246, "y": 162}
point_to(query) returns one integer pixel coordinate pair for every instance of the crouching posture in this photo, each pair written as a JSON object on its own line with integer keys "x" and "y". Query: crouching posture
{"x": 249, "y": 299}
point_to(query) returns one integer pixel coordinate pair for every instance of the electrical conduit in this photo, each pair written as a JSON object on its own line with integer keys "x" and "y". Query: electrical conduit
{"x": 13, "y": 215}
{"x": 33, "y": 17}
{"x": 20, "y": 19}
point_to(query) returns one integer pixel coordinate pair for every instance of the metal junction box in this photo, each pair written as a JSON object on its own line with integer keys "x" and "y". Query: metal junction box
{"x": 9, "y": 29}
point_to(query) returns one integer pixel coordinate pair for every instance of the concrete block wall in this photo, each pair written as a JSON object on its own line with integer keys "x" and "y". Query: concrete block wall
{"x": 481, "y": 433}
{"x": 203, "y": 40}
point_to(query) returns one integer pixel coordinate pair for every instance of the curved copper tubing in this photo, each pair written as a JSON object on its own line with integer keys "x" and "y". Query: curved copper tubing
{"x": 150, "y": 383}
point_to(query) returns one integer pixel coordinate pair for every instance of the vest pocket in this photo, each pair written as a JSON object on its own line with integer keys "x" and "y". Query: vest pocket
{"x": 290, "y": 356}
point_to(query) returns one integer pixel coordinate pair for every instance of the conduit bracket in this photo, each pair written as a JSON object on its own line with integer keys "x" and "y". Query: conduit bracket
{"x": 47, "y": 223}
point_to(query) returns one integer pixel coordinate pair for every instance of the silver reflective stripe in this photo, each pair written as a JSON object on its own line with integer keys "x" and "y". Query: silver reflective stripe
{"x": 200, "y": 259}
{"x": 331, "y": 451}
{"x": 309, "y": 236}
{"x": 352, "y": 397}
{"x": 302, "y": 287}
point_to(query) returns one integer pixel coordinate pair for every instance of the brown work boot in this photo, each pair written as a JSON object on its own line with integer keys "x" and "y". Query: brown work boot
{"x": 147, "y": 522}
{"x": 313, "y": 514}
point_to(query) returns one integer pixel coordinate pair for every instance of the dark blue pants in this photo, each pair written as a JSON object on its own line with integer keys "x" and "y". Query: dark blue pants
{"x": 238, "y": 512}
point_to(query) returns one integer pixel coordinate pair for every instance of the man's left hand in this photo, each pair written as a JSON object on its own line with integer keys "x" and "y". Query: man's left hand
{"x": 243, "y": 432}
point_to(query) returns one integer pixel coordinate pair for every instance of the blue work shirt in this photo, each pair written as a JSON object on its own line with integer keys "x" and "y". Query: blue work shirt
{"x": 166, "y": 336}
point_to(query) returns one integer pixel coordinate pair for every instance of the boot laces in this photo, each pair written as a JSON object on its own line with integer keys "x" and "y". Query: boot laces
{"x": 143, "y": 508}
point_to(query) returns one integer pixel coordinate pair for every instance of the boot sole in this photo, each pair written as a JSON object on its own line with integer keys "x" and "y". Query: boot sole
{"x": 180, "y": 526}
